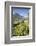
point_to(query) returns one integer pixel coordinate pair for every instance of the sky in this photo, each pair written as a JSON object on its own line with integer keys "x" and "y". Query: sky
{"x": 21, "y": 11}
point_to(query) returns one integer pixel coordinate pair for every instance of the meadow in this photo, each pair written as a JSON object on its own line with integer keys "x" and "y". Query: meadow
{"x": 20, "y": 29}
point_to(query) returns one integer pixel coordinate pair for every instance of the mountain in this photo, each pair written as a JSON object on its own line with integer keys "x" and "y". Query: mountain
{"x": 18, "y": 18}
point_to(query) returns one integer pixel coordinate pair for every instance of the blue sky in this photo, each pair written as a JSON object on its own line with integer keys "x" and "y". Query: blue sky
{"x": 21, "y": 11}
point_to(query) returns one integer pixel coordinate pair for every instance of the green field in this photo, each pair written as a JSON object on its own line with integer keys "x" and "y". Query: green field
{"x": 20, "y": 28}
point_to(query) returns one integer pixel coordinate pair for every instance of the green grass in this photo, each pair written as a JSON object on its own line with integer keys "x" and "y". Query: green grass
{"x": 20, "y": 29}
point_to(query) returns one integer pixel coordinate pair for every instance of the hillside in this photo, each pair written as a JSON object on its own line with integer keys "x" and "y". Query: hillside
{"x": 18, "y": 18}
